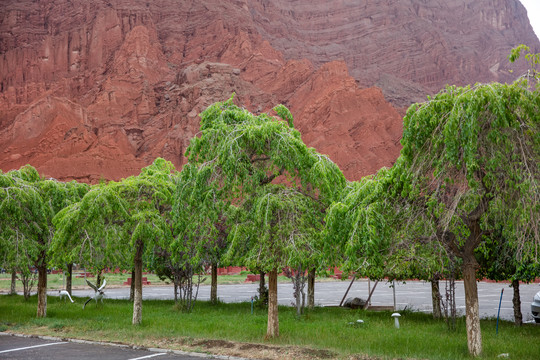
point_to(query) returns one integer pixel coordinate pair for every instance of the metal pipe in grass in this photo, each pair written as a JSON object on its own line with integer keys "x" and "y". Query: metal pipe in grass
{"x": 499, "y": 312}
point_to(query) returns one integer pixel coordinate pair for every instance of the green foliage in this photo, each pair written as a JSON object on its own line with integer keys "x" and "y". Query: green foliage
{"x": 284, "y": 114}
{"x": 468, "y": 153}
{"x": 235, "y": 167}
{"x": 470, "y": 146}
{"x": 102, "y": 229}
{"x": 277, "y": 227}
{"x": 533, "y": 60}
{"x": 27, "y": 206}
{"x": 244, "y": 151}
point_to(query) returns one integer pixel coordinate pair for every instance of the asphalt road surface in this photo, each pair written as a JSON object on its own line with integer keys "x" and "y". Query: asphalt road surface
{"x": 29, "y": 348}
{"x": 413, "y": 295}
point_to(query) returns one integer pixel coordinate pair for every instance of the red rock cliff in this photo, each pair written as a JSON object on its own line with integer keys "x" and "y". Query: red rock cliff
{"x": 98, "y": 89}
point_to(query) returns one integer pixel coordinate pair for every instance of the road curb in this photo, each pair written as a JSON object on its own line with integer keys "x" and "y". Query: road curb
{"x": 134, "y": 347}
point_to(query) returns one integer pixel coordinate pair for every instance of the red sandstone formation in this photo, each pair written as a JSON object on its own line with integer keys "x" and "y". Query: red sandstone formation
{"x": 402, "y": 46}
{"x": 98, "y": 89}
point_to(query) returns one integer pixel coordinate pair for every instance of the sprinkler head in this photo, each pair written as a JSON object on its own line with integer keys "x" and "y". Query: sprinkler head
{"x": 396, "y": 317}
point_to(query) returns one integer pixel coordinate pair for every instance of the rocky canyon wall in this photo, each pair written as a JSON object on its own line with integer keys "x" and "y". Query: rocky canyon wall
{"x": 98, "y": 89}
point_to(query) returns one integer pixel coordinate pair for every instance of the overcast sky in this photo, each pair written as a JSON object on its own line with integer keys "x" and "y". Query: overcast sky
{"x": 533, "y": 11}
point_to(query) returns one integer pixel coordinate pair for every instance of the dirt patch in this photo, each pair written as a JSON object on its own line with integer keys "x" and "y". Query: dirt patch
{"x": 209, "y": 344}
{"x": 240, "y": 349}
{"x": 254, "y": 347}
{"x": 319, "y": 353}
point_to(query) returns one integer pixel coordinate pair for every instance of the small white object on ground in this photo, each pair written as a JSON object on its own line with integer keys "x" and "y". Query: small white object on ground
{"x": 63, "y": 294}
{"x": 396, "y": 319}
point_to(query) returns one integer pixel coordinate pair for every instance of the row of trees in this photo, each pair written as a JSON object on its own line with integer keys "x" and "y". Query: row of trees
{"x": 461, "y": 200}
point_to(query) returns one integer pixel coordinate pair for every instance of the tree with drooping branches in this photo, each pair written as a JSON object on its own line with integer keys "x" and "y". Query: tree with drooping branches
{"x": 469, "y": 166}
{"x": 28, "y": 204}
{"x": 249, "y": 160}
{"x": 118, "y": 222}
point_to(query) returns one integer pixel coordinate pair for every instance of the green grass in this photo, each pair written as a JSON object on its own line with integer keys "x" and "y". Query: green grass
{"x": 323, "y": 328}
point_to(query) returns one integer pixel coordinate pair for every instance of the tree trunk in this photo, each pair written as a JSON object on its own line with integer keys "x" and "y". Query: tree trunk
{"x": 311, "y": 289}
{"x": 273, "y": 321}
{"x": 98, "y": 279}
{"x": 137, "y": 298}
{"x": 436, "y": 298}
{"x": 175, "y": 281}
{"x": 474, "y": 335}
{"x": 213, "y": 286}
{"x": 132, "y": 286}
{"x": 261, "y": 285}
{"x": 518, "y": 318}
{"x": 298, "y": 293}
{"x": 13, "y": 290}
{"x": 42, "y": 291}
{"x": 69, "y": 278}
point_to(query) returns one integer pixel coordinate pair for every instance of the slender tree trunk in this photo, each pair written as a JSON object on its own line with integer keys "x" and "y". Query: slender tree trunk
{"x": 13, "y": 289}
{"x": 213, "y": 286}
{"x": 137, "y": 298}
{"x": 436, "y": 298}
{"x": 518, "y": 317}
{"x": 98, "y": 279}
{"x": 42, "y": 291}
{"x": 261, "y": 285}
{"x": 273, "y": 321}
{"x": 69, "y": 277}
{"x": 298, "y": 292}
{"x": 132, "y": 286}
{"x": 474, "y": 335}
{"x": 311, "y": 289}
{"x": 175, "y": 281}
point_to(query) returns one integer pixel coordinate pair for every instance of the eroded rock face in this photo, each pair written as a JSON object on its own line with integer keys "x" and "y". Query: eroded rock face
{"x": 408, "y": 47}
{"x": 99, "y": 89}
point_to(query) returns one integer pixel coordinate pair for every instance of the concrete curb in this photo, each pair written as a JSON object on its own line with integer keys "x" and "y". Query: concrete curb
{"x": 104, "y": 343}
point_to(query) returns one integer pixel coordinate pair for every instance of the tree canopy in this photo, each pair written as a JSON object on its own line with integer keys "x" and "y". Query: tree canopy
{"x": 279, "y": 188}
{"x": 469, "y": 165}
{"x": 116, "y": 222}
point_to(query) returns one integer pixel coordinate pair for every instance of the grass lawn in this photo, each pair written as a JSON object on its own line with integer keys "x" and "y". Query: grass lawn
{"x": 231, "y": 329}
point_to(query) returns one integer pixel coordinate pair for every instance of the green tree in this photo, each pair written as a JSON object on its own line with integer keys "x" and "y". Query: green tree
{"x": 249, "y": 160}
{"x": 277, "y": 227}
{"x": 361, "y": 235}
{"x": 200, "y": 224}
{"x": 499, "y": 261}
{"x": 118, "y": 220}
{"x": 532, "y": 77}
{"x": 27, "y": 206}
{"x": 470, "y": 161}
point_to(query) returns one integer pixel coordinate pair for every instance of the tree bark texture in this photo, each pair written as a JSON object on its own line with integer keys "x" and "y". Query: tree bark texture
{"x": 132, "y": 286}
{"x": 13, "y": 289}
{"x": 137, "y": 298}
{"x": 474, "y": 335}
{"x": 516, "y": 300}
{"x": 311, "y": 289}
{"x": 273, "y": 321}
{"x": 42, "y": 291}
{"x": 436, "y": 298}
{"x": 69, "y": 278}
{"x": 213, "y": 286}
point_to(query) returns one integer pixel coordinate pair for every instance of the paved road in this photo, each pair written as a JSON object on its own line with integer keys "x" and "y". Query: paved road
{"x": 28, "y": 348}
{"x": 415, "y": 295}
